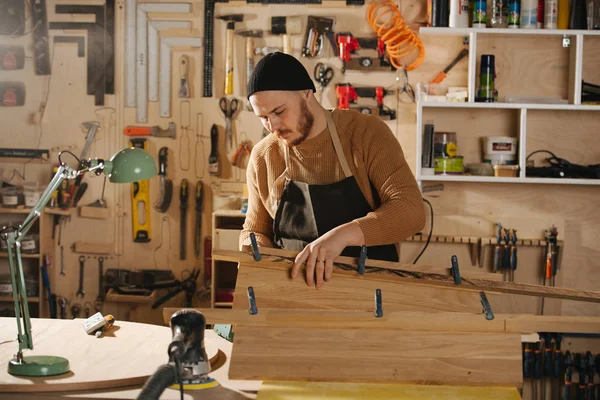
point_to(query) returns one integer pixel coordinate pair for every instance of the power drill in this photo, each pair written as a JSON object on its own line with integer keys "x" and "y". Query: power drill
{"x": 347, "y": 45}
{"x": 348, "y": 94}
{"x": 188, "y": 365}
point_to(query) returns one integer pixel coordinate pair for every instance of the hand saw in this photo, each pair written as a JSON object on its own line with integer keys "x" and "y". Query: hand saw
{"x": 140, "y": 202}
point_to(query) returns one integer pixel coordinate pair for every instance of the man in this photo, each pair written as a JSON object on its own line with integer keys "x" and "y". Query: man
{"x": 324, "y": 183}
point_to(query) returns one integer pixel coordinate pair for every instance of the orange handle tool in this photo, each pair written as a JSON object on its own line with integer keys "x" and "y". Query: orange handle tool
{"x": 137, "y": 130}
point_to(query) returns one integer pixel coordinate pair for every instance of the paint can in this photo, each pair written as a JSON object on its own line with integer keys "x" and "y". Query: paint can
{"x": 514, "y": 13}
{"x": 500, "y": 150}
{"x": 444, "y": 144}
{"x": 449, "y": 165}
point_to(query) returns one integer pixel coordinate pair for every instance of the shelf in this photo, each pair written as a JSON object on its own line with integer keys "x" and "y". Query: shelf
{"x": 10, "y": 298}
{"x": 23, "y": 160}
{"x": 505, "y": 31}
{"x": 492, "y": 179}
{"x": 23, "y": 255}
{"x": 223, "y": 304}
{"x": 47, "y": 210}
{"x": 565, "y": 107}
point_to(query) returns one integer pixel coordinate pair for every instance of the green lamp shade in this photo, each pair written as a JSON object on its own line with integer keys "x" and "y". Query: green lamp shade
{"x": 130, "y": 165}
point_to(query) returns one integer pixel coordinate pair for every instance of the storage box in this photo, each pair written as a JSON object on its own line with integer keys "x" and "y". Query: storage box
{"x": 507, "y": 171}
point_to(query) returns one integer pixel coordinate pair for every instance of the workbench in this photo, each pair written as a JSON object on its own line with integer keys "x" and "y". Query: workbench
{"x": 136, "y": 349}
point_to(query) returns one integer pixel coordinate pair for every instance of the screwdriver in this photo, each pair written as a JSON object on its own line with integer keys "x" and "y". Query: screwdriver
{"x": 498, "y": 251}
{"x": 506, "y": 255}
{"x": 554, "y": 253}
{"x": 439, "y": 78}
{"x": 513, "y": 255}
{"x": 568, "y": 375}
{"x": 548, "y": 269}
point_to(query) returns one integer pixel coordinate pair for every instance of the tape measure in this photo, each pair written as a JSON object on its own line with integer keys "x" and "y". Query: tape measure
{"x": 209, "y": 33}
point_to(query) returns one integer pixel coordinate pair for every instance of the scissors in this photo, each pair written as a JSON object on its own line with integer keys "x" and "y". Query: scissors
{"x": 323, "y": 75}
{"x": 228, "y": 108}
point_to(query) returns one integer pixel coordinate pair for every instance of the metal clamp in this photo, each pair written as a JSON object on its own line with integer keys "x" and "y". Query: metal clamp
{"x": 253, "y": 310}
{"x": 454, "y": 271}
{"x": 255, "y": 251}
{"x": 378, "y": 305}
{"x": 487, "y": 309}
{"x": 362, "y": 260}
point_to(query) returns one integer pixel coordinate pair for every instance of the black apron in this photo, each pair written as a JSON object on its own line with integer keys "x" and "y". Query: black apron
{"x": 306, "y": 212}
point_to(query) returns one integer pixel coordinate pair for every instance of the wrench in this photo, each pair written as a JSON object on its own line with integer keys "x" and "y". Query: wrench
{"x": 100, "y": 278}
{"x": 81, "y": 263}
{"x": 62, "y": 261}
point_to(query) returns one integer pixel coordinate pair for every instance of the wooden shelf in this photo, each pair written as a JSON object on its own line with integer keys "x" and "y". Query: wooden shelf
{"x": 223, "y": 304}
{"x": 505, "y": 31}
{"x": 10, "y": 299}
{"x": 24, "y": 210}
{"x": 491, "y": 241}
{"x": 528, "y": 106}
{"x": 493, "y": 179}
{"x": 23, "y": 255}
{"x": 112, "y": 295}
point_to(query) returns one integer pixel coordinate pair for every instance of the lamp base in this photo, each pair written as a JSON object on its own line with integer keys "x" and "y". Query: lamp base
{"x": 39, "y": 366}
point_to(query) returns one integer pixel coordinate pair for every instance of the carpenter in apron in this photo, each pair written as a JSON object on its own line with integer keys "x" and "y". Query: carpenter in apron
{"x": 306, "y": 212}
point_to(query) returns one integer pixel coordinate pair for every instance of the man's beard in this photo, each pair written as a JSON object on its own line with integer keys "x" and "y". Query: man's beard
{"x": 305, "y": 124}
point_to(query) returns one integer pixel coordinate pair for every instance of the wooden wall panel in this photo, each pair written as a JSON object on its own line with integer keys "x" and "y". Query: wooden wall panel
{"x": 68, "y": 105}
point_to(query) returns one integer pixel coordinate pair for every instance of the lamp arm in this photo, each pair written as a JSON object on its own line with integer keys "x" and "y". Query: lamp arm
{"x": 13, "y": 240}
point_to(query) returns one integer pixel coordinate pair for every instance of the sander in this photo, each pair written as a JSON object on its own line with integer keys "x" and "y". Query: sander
{"x": 188, "y": 365}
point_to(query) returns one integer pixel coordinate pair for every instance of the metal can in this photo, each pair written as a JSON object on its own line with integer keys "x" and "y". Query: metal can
{"x": 449, "y": 165}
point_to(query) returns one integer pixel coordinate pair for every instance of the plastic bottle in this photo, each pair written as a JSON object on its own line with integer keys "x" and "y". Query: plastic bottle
{"x": 487, "y": 73}
{"x": 459, "y": 14}
{"x": 563, "y": 14}
{"x": 529, "y": 9}
{"x": 551, "y": 14}
{"x": 497, "y": 18}
{"x": 514, "y": 13}
{"x": 479, "y": 14}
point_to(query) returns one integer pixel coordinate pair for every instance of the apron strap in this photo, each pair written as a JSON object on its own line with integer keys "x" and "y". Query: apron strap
{"x": 337, "y": 145}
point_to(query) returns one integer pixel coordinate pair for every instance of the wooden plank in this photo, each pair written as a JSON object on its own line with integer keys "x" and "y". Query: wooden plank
{"x": 350, "y": 355}
{"x": 548, "y": 323}
{"x": 278, "y": 257}
{"x": 360, "y": 391}
{"x": 343, "y": 319}
{"x": 400, "y": 320}
{"x": 274, "y": 289}
{"x": 426, "y": 279}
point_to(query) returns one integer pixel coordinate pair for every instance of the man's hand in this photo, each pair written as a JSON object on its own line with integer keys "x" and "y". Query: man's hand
{"x": 320, "y": 254}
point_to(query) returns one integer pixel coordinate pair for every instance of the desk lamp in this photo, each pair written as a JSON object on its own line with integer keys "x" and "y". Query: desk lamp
{"x": 128, "y": 165}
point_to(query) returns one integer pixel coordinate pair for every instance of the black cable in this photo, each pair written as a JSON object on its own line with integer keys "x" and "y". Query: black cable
{"x": 68, "y": 152}
{"x": 542, "y": 151}
{"x": 430, "y": 232}
{"x": 178, "y": 376}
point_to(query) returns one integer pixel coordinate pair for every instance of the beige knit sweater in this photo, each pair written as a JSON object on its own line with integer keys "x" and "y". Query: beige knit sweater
{"x": 376, "y": 160}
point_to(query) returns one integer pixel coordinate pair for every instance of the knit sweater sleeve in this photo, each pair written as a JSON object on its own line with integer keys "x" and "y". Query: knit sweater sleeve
{"x": 401, "y": 212}
{"x": 258, "y": 219}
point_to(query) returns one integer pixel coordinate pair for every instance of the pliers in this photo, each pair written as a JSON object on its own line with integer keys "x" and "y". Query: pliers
{"x": 238, "y": 158}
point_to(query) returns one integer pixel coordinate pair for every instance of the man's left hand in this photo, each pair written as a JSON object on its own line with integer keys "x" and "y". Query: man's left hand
{"x": 320, "y": 254}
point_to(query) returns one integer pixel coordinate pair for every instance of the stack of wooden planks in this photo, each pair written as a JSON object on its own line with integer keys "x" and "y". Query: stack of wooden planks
{"x": 431, "y": 331}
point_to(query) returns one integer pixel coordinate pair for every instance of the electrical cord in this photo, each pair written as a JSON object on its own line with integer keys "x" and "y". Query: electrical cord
{"x": 68, "y": 152}
{"x": 430, "y": 232}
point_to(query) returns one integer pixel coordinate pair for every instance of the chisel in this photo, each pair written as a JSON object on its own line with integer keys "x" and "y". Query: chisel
{"x": 183, "y": 205}
{"x": 198, "y": 228}
{"x": 498, "y": 251}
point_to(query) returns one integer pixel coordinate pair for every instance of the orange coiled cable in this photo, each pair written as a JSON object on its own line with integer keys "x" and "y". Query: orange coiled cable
{"x": 400, "y": 41}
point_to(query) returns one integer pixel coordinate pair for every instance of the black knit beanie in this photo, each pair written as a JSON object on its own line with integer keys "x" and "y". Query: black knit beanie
{"x": 279, "y": 71}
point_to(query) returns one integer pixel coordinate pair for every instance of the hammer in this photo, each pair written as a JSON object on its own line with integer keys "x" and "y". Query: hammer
{"x": 249, "y": 34}
{"x": 231, "y": 20}
{"x": 286, "y": 26}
